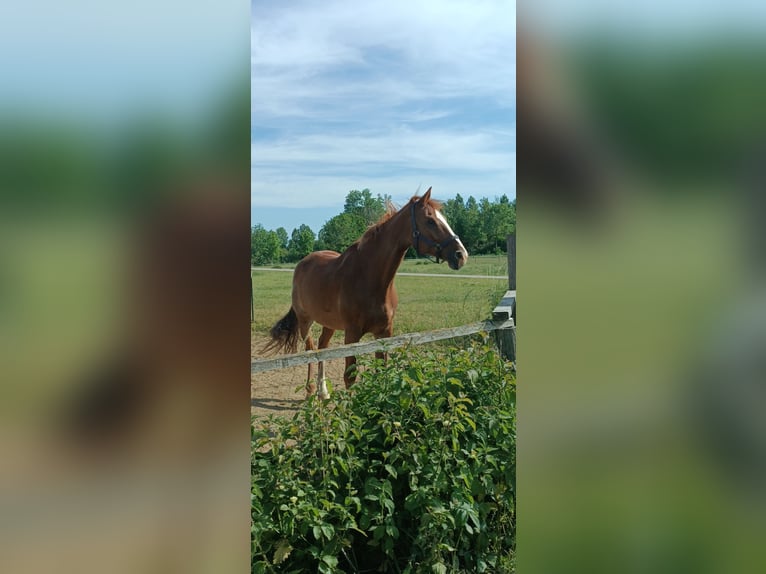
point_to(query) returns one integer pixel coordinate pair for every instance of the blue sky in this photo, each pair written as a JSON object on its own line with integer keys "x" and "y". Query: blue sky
{"x": 106, "y": 62}
{"x": 387, "y": 95}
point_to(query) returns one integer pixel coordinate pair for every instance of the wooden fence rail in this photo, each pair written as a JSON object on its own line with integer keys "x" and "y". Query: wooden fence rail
{"x": 503, "y": 326}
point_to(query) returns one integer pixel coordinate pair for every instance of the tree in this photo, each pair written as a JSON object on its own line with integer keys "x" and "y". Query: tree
{"x": 301, "y": 243}
{"x": 482, "y": 226}
{"x": 454, "y": 211}
{"x": 283, "y": 241}
{"x": 341, "y": 231}
{"x": 361, "y": 203}
{"x": 499, "y": 219}
{"x": 264, "y": 246}
{"x": 475, "y": 237}
{"x": 283, "y": 237}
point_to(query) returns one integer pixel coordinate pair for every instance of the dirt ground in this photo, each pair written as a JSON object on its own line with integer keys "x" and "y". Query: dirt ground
{"x": 282, "y": 391}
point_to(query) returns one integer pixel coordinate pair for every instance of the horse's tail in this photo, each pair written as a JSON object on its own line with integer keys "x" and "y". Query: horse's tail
{"x": 284, "y": 335}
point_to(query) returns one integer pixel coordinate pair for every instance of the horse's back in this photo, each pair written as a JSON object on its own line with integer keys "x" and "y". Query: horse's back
{"x": 315, "y": 262}
{"x": 324, "y": 255}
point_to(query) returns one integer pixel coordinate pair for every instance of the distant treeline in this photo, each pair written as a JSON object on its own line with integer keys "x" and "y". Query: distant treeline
{"x": 482, "y": 226}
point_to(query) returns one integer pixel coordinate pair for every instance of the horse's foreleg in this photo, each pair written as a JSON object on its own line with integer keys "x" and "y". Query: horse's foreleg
{"x": 311, "y": 388}
{"x": 349, "y": 375}
{"x": 387, "y": 332}
{"x": 324, "y": 341}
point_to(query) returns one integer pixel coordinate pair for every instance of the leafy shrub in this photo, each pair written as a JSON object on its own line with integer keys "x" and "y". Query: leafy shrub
{"x": 412, "y": 470}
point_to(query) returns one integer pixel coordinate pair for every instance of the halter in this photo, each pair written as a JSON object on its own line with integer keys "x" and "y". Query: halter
{"x": 416, "y": 237}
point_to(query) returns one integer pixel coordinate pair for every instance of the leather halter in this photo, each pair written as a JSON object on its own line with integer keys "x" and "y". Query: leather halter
{"x": 417, "y": 236}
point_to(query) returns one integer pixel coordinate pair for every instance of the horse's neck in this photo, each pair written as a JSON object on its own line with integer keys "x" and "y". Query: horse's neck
{"x": 386, "y": 249}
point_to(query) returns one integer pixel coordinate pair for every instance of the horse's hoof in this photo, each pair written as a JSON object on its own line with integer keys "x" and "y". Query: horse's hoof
{"x": 324, "y": 396}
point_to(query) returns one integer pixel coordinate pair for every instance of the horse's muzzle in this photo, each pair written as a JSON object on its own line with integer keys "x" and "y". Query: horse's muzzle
{"x": 457, "y": 259}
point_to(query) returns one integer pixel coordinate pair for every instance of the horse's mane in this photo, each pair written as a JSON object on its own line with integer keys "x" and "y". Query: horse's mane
{"x": 391, "y": 210}
{"x": 372, "y": 230}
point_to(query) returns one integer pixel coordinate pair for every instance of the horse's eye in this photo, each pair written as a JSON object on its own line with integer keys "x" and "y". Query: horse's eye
{"x": 431, "y": 222}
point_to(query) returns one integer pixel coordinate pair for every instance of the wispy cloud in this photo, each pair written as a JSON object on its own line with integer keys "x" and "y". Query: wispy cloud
{"x": 381, "y": 94}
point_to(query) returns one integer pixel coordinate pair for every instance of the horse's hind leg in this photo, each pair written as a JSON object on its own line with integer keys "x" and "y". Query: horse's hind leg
{"x": 324, "y": 340}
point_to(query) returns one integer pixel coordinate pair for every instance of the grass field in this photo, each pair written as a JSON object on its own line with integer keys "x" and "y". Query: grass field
{"x": 477, "y": 265}
{"x": 425, "y": 303}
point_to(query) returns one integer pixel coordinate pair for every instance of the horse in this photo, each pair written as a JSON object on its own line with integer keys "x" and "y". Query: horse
{"x": 354, "y": 291}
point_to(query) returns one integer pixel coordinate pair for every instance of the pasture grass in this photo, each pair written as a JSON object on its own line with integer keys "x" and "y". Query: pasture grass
{"x": 492, "y": 265}
{"x": 425, "y": 303}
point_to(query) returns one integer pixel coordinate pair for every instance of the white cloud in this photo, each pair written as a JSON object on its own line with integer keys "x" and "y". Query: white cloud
{"x": 428, "y": 150}
{"x": 442, "y": 49}
{"x": 381, "y": 94}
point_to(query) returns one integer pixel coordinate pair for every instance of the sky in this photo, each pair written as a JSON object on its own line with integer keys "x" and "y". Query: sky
{"x": 395, "y": 96}
{"x": 107, "y": 61}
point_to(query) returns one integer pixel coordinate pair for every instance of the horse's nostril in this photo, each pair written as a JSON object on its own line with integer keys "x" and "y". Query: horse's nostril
{"x": 459, "y": 254}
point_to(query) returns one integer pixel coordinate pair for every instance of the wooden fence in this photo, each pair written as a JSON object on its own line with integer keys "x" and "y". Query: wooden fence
{"x": 389, "y": 343}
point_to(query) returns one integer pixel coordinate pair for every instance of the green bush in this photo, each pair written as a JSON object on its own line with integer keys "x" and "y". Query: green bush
{"x": 413, "y": 470}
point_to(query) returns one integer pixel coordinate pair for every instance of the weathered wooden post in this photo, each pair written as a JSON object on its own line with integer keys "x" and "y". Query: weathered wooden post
{"x": 511, "y": 241}
{"x": 505, "y": 338}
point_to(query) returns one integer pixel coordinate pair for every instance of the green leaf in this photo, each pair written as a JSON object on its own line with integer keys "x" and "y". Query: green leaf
{"x": 355, "y": 501}
{"x": 392, "y": 531}
{"x": 328, "y": 531}
{"x": 439, "y": 568}
{"x": 282, "y": 552}
{"x": 330, "y": 560}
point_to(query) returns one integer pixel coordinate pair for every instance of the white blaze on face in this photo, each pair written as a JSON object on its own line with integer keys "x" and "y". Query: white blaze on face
{"x": 443, "y": 219}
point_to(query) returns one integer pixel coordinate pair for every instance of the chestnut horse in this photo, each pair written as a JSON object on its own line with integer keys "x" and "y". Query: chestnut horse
{"x": 354, "y": 291}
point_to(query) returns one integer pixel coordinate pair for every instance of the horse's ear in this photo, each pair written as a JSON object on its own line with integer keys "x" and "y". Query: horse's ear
{"x": 426, "y": 197}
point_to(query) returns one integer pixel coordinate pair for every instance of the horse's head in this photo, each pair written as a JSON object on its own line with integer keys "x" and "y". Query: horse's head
{"x": 432, "y": 235}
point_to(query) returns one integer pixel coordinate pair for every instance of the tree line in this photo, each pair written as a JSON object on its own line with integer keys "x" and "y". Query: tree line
{"x": 482, "y": 226}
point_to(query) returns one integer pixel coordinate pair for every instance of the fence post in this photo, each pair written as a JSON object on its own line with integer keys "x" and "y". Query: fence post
{"x": 511, "y": 243}
{"x": 505, "y": 339}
